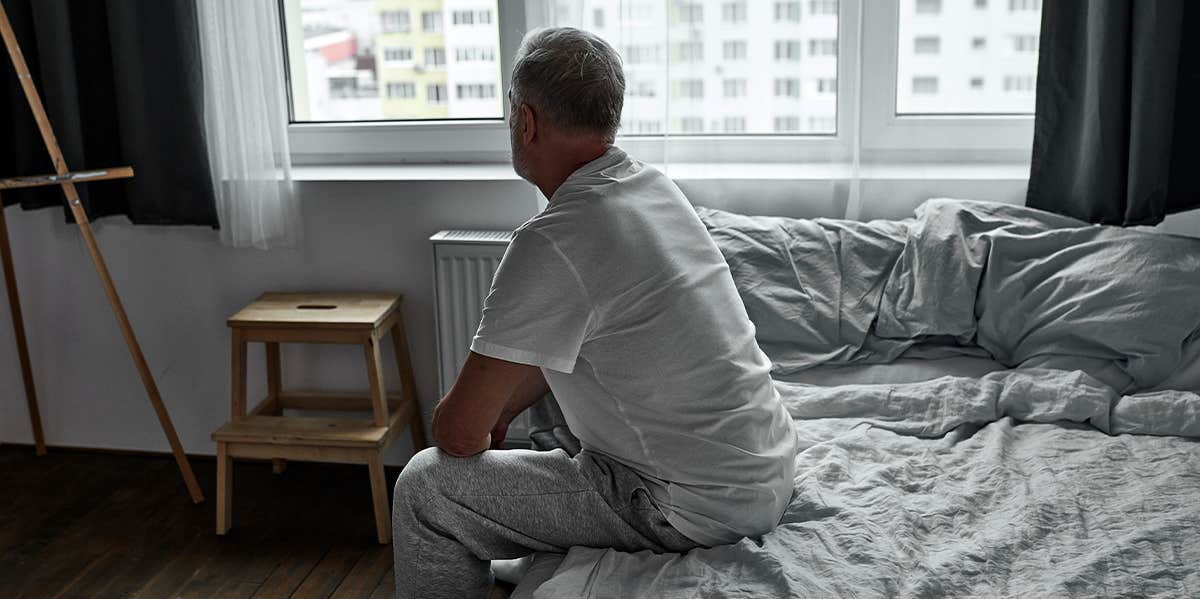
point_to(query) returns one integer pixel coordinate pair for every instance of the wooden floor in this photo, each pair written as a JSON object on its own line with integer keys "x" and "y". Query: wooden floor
{"x": 84, "y": 524}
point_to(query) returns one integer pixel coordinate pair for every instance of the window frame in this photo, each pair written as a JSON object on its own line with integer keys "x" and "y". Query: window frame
{"x": 880, "y": 132}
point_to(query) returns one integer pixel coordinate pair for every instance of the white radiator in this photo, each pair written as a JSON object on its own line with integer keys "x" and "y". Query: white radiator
{"x": 463, "y": 265}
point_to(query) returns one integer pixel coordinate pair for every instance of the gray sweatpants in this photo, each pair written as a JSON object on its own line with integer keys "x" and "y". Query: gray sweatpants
{"x": 450, "y": 515}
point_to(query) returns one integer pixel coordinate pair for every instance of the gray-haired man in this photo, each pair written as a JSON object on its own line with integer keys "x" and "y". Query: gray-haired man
{"x": 616, "y": 299}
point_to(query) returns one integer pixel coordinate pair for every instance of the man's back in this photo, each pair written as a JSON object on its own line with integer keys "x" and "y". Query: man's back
{"x": 653, "y": 360}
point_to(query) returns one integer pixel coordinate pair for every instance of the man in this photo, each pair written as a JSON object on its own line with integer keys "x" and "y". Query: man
{"x": 616, "y": 299}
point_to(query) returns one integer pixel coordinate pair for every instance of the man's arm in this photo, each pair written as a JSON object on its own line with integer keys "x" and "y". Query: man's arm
{"x": 488, "y": 392}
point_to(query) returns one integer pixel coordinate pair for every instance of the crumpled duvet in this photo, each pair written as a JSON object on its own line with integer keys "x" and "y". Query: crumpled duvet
{"x": 1025, "y": 287}
{"x": 937, "y": 489}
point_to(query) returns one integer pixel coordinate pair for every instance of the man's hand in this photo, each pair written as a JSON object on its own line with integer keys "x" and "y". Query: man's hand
{"x": 486, "y": 396}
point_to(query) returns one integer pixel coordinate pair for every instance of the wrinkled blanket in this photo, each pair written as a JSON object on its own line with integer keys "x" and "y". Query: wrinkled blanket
{"x": 987, "y": 507}
{"x": 1025, "y": 287}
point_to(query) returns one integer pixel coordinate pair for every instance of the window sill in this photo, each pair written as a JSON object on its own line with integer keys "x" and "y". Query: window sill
{"x": 680, "y": 172}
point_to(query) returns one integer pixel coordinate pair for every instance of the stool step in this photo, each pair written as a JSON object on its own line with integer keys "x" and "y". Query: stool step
{"x": 308, "y": 430}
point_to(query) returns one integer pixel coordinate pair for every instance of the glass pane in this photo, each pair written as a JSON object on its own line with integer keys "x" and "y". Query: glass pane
{"x": 367, "y": 60}
{"x": 719, "y": 66}
{"x": 967, "y": 56}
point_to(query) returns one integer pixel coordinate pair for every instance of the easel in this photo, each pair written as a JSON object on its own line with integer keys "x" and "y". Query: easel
{"x": 66, "y": 179}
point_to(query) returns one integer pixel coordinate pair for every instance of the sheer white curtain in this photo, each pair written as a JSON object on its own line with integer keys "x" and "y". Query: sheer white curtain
{"x": 246, "y": 120}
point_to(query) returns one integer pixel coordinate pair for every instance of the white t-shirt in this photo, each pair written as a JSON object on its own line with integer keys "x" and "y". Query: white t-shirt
{"x": 619, "y": 294}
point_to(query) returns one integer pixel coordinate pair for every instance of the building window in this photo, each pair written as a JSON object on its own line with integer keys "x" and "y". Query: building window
{"x": 640, "y": 89}
{"x": 735, "y": 124}
{"x": 397, "y": 54}
{"x": 399, "y": 90}
{"x": 431, "y": 21}
{"x": 476, "y": 91}
{"x": 484, "y": 17}
{"x": 1023, "y": 44}
{"x": 598, "y": 18}
{"x": 822, "y": 124}
{"x": 395, "y": 21}
{"x": 787, "y": 50}
{"x": 822, "y": 47}
{"x": 435, "y": 58}
{"x": 787, "y": 87}
{"x": 826, "y": 85}
{"x": 787, "y": 123}
{"x": 690, "y": 14}
{"x": 787, "y": 12}
{"x": 463, "y": 17}
{"x": 929, "y": 7}
{"x": 690, "y": 124}
{"x": 734, "y": 88}
{"x": 641, "y": 54}
{"x": 822, "y": 7}
{"x": 979, "y": 43}
{"x": 927, "y": 44}
{"x": 1021, "y": 84}
{"x": 976, "y": 83}
{"x": 689, "y": 51}
{"x": 1024, "y": 5}
{"x": 435, "y": 93}
{"x": 689, "y": 88}
{"x": 734, "y": 13}
{"x": 475, "y": 54}
{"x": 733, "y": 50}
{"x": 981, "y": 4}
{"x": 925, "y": 85}
{"x": 642, "y": 127}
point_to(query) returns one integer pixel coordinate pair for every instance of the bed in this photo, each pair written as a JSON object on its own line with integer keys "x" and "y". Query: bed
{"x": 992, "y": 401}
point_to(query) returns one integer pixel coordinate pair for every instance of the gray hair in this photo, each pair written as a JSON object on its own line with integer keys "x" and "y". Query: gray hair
{"x": 572, "y": 77}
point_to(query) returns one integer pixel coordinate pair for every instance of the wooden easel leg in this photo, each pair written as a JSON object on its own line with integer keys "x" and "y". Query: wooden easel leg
{"x": 85, "y": 229}
{"x": 379, "y": 497}
{"x": 14, "y": 306}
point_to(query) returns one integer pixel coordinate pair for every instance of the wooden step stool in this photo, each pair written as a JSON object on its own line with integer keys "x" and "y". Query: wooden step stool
{"x": 266, "y": 433}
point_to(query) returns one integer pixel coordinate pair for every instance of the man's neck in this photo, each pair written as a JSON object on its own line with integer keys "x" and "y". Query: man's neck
{"x": 564, "y": 168}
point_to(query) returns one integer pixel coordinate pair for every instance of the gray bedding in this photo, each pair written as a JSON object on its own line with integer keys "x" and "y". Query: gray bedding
{"x": 1055, "y": 479}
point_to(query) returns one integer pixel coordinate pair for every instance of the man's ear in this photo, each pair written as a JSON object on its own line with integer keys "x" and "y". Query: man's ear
{"x": 528, "y": 124}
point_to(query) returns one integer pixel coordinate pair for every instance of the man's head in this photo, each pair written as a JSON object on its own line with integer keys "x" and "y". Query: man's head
{"x": 566, "y": 96}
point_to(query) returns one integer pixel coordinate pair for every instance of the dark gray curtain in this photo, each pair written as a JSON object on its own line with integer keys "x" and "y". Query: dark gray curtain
{"x": 1117, "y": 130}
{"x": 122, "y": 84}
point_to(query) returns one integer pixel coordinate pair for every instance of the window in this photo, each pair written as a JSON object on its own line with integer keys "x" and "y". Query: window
{"x": 642, "y": 54}
{"x": 598, "y": 18}
{"x": 787, "y": 88}
{"x": 641, "y": 127}
{"x": 401, "y": 90}
{"x": 1023, "y": 44}
{"x": 929, "y": 7}
{"x": 1013, "y": 53}
{"x": 787, "y": 50}
{"x": 927, "y": 44}
{"x": 787, "y": 124}
{"x": 689, "y": 51}
{"x": 734, "y": 13}
{"x": 822, "y": 47}
{"x": 435, "y": 93}
{"x": 375, "y": 60}
{"x": 640, "y": 89}
{"x": 476, "y": 91}
{"x": 925, "y": 85}
{"x": 689, "y": 124}
{"x": 401, "y": 54}
{"x": 787, "y": 12}
{"x": 431, "y": 21}
{"x": 435, "y": 58}
{"x": 484, "y": 17}
{"x": 395, "y": 21}
{"x": 689, "y": 88}
{"x": 733, "y": 50}
{"x": 691, "y": 14}
{"x": 734, "y": 88}
{"x": 735, "y": 124}
{"x": 822, "y": 124}
{"x": 463, "y": 17}
{"x": 822, "y": 7}
{"x": 827, "y": 85}
{"x": 1021, "y": 84}
{"x": 981, "y": 4}
{"x": 1024, "y": 5}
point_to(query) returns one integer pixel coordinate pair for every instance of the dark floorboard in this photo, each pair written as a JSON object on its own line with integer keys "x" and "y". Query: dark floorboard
{"x": 88, "y": 524}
